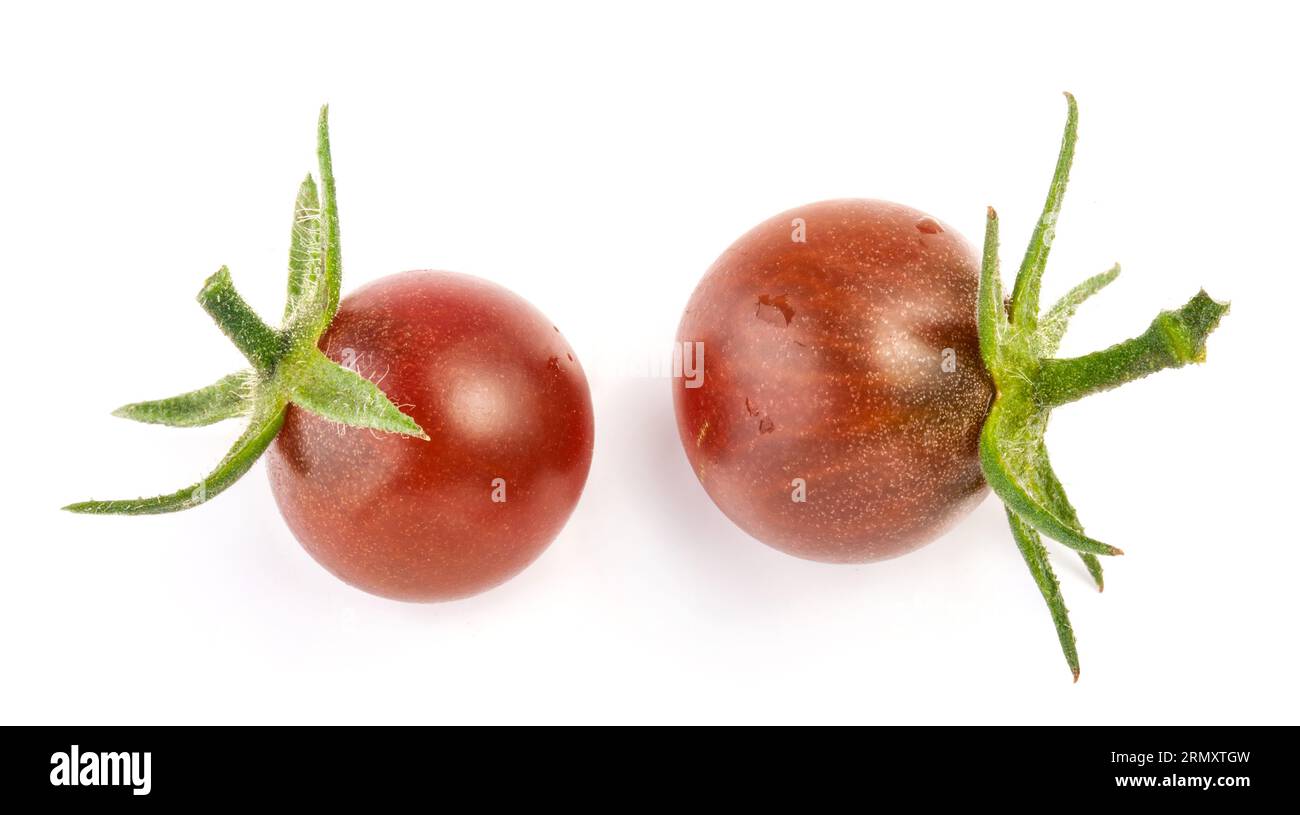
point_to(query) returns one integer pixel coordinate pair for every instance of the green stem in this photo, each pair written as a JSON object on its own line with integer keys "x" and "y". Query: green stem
{"x": 260, "y": 343}
{"x": 1174, "y": 339}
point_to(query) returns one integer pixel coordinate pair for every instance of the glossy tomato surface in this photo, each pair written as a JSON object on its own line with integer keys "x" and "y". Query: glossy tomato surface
{"x": 506, "y": 406}
{"x": 842, "y": 393}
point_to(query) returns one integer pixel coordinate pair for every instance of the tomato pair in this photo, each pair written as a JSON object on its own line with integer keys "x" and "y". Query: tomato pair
{"x": 865, "y": 382}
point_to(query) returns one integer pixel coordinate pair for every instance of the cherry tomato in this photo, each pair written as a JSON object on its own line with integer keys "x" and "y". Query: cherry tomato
{"x": 508, "y": 412}
{"x": 841, "y": 391}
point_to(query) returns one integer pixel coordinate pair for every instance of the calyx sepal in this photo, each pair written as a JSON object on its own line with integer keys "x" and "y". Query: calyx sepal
{"x": 286, "y": 366}
{"x": 1018, "y": 344}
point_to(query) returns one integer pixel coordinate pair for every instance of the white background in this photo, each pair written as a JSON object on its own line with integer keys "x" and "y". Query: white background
{"x": 596, "y": 160}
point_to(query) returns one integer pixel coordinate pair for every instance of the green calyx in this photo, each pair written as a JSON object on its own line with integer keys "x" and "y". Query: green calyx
{"x": 287, "y": 367}
{"x": 1017, "y": 343}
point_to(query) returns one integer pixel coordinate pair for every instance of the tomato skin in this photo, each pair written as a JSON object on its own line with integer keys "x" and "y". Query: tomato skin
{"x": 824, "y": 361}
{"x": 501, "y": 396}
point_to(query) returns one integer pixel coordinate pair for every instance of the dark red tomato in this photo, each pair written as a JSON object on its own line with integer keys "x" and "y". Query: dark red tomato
{"x": 506, "y": 406}
{"x": 842, "y": 393}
